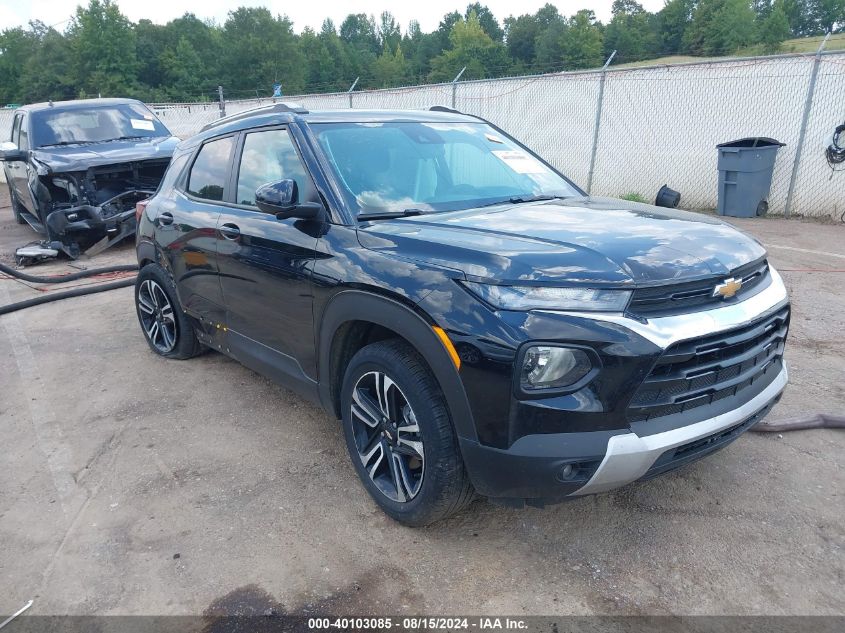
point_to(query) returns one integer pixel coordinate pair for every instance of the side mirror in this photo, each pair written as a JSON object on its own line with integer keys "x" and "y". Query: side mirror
{"x": 9, "y": 152}
{"x": 282, "y": 200}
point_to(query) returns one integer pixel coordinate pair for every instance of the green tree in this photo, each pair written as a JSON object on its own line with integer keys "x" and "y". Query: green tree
{"x": 520, "y": 35}
{"x": 182, "y": 71}
{"x": 774, "y": 29}
{"x": 390, "y": 68}
{"x": 360, "y": 33}
{"x": 17, "y": 45}
{"x": 419, "y": 49}
{"x": 672, "y": 22}
{"x": 48, "y": 73}
{"x": 472, "y": 48}
{"x": 582, "y": 42}
{"x": 548, "y": 45}
{"x": 389, "y": 34}
{"x": 629, "y": 32}
{"x": 104, "y": 49}
{"x": 487, "y": 20}
{"x": 720, "y": 27}
{"x": 259, "y": 50}
{"x": 828, "y": 15}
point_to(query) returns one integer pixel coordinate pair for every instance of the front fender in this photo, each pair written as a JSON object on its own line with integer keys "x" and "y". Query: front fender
{"x": 359, "y": 305}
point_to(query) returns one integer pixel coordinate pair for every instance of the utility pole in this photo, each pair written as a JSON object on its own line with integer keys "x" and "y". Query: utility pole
{"x": 222, "y": 102}
{"x": 598, "y": 122}
{"x": 351, "y": 88}
{"x": 455, "y": 87}
{"x": 808, "y": 105}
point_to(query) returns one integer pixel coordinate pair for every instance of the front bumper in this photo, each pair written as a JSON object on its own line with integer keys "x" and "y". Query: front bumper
{"x": 549, "y": 467}
{"x": 630, "y": 457}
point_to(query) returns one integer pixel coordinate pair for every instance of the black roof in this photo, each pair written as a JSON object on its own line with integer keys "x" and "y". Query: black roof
{"x": 76, "y": 104}
{"x": 277, "y": 113}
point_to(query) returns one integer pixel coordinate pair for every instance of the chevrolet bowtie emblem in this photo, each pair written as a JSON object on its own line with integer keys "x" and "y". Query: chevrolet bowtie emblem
{"x": 727, "y": 288}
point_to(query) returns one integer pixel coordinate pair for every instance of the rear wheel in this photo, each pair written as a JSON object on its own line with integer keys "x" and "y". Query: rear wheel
{"x": 167, "y": 329}
{"x": 400, "y": 437}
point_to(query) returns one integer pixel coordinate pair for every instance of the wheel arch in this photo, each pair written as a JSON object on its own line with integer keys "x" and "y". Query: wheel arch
{"x": 146, "y": 252}
{"x": 354, "y": 318}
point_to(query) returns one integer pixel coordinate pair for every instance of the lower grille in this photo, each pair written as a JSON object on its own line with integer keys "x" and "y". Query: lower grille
{"x": 702, "y": 371}
{"x": 682, "y": 455}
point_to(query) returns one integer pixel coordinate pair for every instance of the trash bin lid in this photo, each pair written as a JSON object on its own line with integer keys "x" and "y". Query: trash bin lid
{"x": 752, "y": 142}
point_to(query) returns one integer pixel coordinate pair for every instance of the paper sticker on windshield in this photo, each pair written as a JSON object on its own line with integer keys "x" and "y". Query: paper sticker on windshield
{"x": 143, "y": 124}
{"x": 520, "y": 162}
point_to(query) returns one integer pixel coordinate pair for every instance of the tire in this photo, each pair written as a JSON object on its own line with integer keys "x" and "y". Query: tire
{"x": 411, "y": 490}
{"x": 15, "y": 207}
{"x": 165, "y": 325}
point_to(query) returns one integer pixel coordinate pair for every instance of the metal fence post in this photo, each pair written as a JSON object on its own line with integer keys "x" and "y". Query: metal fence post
{"x": 222, "y": 103}
{"x": 455, "y": 86}
{"x": 351, "y": 88}
{"x": 598, "y": 122}
{"x": 808, "y": 106}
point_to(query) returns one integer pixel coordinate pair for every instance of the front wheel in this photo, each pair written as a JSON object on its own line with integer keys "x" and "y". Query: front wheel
{"x": 400, "y": 437}
{"x": 166, "y": 328}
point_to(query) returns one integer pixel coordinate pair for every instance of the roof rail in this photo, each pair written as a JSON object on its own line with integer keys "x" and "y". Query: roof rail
{"x": 283, "y": 106}
{"x": 441, "y": 108}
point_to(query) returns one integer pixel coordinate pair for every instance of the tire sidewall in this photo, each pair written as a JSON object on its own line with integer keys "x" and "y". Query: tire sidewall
{"x": 185, "y": 337}
{"x": 425, "y": 405}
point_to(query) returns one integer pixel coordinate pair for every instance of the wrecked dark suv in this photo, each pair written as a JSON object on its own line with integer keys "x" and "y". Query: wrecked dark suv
{"x": 477, "y": 322}
{"x": 75, "y": 170}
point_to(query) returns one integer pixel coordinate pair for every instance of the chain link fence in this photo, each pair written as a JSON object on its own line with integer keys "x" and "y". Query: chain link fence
{"x": 629, "y": 131}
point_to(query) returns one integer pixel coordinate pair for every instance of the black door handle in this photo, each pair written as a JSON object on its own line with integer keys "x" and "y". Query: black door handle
{"x": 165, "y": 218}
{"x": 230, "y": 231}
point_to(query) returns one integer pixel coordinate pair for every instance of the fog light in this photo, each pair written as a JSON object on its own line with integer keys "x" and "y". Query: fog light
{"x": 546, "y": 367}
{"x": 566, "y": 471}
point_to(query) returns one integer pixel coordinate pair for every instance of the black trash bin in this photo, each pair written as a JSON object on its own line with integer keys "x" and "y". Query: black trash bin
{"x": 745, "y": 176}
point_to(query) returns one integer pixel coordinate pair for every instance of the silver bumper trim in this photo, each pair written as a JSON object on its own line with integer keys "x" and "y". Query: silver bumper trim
{"x": 663, "y": 331}
{"x": 629, "y": 456}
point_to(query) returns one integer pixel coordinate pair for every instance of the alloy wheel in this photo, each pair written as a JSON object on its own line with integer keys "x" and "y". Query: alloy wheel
{"x": 387, "y": 437}
{"x": 157, "y": 316}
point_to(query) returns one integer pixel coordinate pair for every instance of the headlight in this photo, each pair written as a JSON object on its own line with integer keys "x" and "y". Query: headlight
{"x": 550, "y": 298}
{"x": 546, "y": 367}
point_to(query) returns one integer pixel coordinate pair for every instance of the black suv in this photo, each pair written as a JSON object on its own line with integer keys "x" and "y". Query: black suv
{"x": 76, "y": 169}
{"x": 479, "y": 324}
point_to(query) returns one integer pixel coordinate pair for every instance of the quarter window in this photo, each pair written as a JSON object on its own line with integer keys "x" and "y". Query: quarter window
{"x": 208, "y": 174}
{"x": 270, "y": 156}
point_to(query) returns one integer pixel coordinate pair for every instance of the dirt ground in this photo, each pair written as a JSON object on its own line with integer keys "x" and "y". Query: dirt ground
{"x": 130, "y": 484}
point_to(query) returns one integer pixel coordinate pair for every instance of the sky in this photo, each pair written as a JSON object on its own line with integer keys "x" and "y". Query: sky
{"x": 309, "y": 13}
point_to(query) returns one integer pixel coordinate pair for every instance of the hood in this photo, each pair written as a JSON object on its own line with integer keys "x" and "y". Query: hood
{"x": 81, "y": 157}
{"x": 586, "y": 240}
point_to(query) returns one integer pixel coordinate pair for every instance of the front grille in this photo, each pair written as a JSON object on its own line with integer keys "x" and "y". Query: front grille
{"x": 705, "y": 370}
{"x": 695, "y": 294}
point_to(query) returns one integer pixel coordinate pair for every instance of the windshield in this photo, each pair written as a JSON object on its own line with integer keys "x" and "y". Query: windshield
{"x": 428, "y": 167}
{"x": 94, "y": 125}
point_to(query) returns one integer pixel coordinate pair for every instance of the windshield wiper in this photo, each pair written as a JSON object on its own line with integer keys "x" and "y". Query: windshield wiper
{"x": 522, "y": 199}
{"x": 61, "y": 143}
{"x": 122, "y": 138}
{"x": 386, "y": 215}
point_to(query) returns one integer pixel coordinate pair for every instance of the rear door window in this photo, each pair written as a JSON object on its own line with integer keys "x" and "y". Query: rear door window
{"x": 210, "y": 170}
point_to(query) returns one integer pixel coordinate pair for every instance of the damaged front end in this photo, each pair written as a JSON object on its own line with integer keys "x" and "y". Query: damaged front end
{"x": 85, "y": 212}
